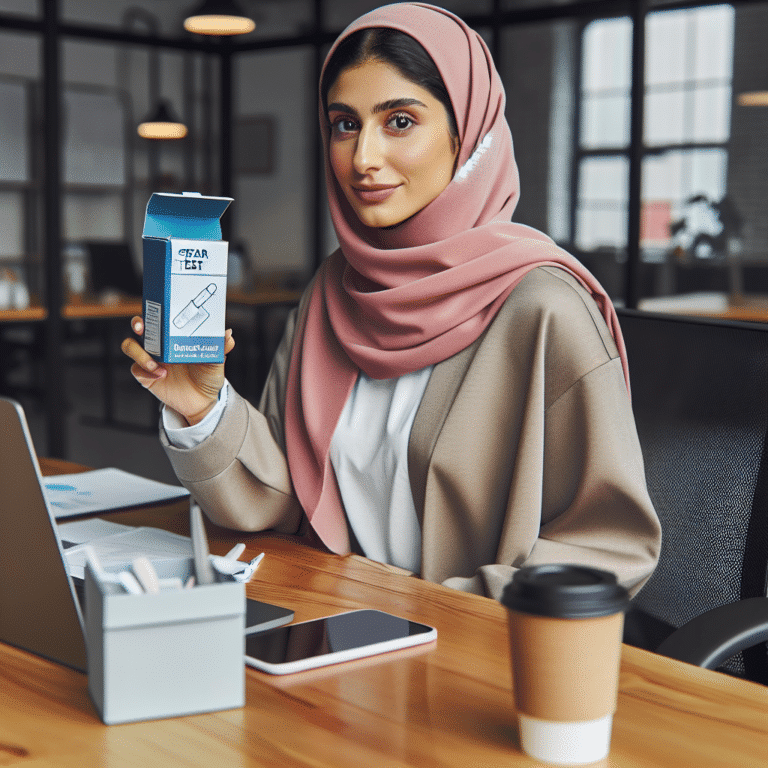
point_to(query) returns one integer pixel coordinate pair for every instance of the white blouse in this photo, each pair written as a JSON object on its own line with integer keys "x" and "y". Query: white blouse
{"x": 369, "y": 455}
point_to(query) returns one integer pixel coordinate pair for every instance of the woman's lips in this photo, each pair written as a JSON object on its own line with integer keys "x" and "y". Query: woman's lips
{"x": 373, "y": 195}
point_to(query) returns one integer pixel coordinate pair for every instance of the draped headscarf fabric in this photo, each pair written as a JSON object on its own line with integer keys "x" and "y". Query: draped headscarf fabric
{"x": 392, "y": 301}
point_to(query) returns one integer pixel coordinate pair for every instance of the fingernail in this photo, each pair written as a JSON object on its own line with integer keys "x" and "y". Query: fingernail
{"x": 151, "y": 365}
{"x": 137, "y": 327}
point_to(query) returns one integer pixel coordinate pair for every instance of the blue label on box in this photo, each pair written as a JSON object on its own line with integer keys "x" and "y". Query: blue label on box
{"x": 203, "y": 349}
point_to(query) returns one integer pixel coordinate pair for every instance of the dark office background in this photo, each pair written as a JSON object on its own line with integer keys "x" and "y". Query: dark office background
{"x": 635, "y": 146}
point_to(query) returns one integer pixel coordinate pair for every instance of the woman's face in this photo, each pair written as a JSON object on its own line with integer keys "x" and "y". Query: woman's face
{"x": 390, "y": 147}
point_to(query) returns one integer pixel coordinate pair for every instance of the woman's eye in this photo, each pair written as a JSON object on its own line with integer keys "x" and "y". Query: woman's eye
{"x": 400, "y": 122}
{"x": 343, "y": 125}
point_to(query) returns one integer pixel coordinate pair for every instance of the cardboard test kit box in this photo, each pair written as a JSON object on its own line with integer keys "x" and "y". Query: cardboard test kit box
{"x": 185, "y": 278}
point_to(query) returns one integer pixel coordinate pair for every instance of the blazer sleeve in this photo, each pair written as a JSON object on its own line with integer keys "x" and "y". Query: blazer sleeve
{"x": 595, "y": 508}
{"x": 538, "y": 459}
{"x": 239, "y": 474}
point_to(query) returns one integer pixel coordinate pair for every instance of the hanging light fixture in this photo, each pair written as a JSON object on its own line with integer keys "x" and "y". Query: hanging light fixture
{"x": 219, "y": 17}
{"x": 753, "y": 99}
{"x": 162, "y": 124}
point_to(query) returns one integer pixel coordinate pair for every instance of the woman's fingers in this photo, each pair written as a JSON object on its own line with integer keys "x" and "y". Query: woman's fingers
{"x": 137, "y": 325}
{"x": 229, "y": 341}
{"x": 141, "y": 357}
{"x": 134, "y": 350}
{"x": 145, "y": 378}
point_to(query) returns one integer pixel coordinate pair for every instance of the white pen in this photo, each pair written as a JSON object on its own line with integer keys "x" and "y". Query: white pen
{"x": 124, "y": 579}
{"x": 203, "y": 571}
{"x": 235, "y": 552}
{"x": 92, "y": 558}
{"x": 145, "y": 574}
{"x": 130, "y": 583}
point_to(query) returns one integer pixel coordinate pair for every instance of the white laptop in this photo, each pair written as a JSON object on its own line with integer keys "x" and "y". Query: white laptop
{"x": 40, "y": 602}
{"x": 39, "y": 607}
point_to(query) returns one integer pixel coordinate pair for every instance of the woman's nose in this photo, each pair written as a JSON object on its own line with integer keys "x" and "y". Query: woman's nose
{"x": 368, "y": 150}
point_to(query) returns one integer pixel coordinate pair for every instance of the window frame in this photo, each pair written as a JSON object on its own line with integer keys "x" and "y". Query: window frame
{"x": 584, "y": 153}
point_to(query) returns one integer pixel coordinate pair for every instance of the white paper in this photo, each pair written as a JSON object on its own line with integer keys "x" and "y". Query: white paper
{"x": 102, "y": 490}
{"x": 123, "y": 547}
{"x": 83, "y": 531}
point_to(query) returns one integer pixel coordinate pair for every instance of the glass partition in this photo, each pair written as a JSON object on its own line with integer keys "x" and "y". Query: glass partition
{"x": 688, "y": 76}
{"x": 287, "y": 18}
{"x": 109, "y": 171}
{"x": 20, "y": 264}
{"x": 275, "y": 129}
{"x": 20, "y": 7}
{"x": 168, "y": 16}
{"x": 95, "y": 161}
{"x": 701, "y": 213}
{"x": 538, "y": 64}
{"x": 746, "y": 221}
{"x": 338, "y": 15}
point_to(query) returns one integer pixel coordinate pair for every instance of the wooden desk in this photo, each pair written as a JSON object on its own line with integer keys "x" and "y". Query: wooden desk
{"x": 752, "y": 309}
{"x": 30, "y": 314}
{"x": 257, "y": 301}
{"x": 248, "y": 367}
{"x": 448, "y": 704}
{"x": 75, "y": 310}
{"x": 112, "y": 319}
{"x": 96, "y": 310}
{"x": 747, "y": 308}
{"x": 90, "y": 310}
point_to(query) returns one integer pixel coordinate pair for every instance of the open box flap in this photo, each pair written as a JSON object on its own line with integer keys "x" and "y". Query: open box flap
{"x": 189, "y": 215}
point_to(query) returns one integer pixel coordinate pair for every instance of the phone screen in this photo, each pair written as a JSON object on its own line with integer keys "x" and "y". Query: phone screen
{"x": 347, "y": 634}
{"x": 263, "y": 616}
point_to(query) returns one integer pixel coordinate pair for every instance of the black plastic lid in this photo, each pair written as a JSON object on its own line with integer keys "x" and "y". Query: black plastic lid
{"x": 565, "y": 591}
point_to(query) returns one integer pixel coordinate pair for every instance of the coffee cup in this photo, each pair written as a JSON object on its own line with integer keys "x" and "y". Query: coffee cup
{"x": 565, "y": 625}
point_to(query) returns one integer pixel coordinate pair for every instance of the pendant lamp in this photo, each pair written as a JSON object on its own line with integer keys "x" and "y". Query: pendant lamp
{"x": 753, "y": 99}
{"x": 162, "y": 124}
{"x": 219, "y": 17}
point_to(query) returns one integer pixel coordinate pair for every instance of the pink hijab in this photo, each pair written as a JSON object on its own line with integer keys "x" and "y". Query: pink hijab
{"x": 390, "y": 302}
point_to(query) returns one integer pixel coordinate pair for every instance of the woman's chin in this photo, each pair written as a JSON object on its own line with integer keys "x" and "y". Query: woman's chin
{"x": 379, "y": 220}
{"x": 383, "y": 219}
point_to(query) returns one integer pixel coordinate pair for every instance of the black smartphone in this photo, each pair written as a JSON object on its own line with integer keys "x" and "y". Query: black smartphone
{"x": 260, "y": 616}
{"x": 345, "y": 636}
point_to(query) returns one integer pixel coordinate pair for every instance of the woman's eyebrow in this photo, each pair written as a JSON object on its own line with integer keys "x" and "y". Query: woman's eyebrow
{"x": 384, "y": 106}
{"x": 337, "y": 106}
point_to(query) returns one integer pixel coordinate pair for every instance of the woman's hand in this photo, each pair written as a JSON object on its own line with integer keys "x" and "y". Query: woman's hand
{"x": 190, "y": 389}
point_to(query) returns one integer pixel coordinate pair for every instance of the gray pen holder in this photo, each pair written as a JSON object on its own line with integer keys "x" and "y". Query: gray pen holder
{"x": 176, "y": 652}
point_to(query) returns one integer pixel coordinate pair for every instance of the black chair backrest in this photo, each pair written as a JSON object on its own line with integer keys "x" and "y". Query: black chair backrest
{"x": 112, "y": 267}
{"x": 700, "y": 398}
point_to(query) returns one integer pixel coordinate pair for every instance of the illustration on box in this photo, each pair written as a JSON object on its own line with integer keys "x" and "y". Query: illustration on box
{"x": 194, "y": 315}
{"x": 198, "y": 289}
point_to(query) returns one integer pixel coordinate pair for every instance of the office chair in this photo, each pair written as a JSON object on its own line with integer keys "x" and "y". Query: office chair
{"x": 111, "y": 267}
{"x": 700, "y": 398}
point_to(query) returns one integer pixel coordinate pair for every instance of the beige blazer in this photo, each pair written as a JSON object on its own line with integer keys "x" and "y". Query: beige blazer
{"x": 523, "y": 451}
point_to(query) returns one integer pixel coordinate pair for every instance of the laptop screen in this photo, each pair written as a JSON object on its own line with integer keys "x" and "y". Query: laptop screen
{"x": 39, "y": 610}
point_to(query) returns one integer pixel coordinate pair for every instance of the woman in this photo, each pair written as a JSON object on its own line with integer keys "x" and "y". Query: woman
{"x": 451, "y": 396}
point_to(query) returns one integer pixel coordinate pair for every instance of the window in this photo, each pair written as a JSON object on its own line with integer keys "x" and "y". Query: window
{"x": 15, "y": 175}
{"x": 689, "y": 60}
{"x": 94, "y": 159}
{"x": 604, "y": 135}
